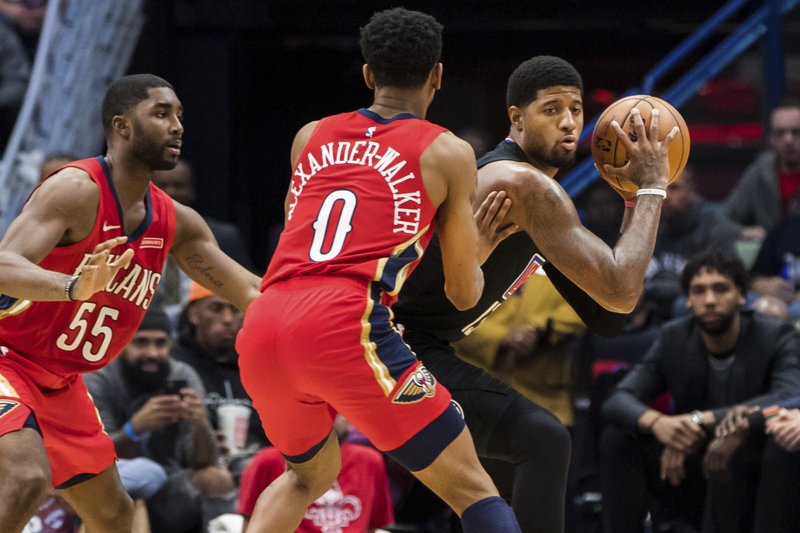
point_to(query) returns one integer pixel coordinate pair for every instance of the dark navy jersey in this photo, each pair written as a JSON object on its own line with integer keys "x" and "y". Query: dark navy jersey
{"x": 423, "y": 303}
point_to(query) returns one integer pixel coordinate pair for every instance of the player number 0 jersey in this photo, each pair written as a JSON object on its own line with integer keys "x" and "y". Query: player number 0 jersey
{"x": 357, "y": 203}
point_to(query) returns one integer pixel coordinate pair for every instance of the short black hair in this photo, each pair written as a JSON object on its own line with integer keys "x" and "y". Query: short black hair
{"x": 126, "y": 92}
{"x": 538, "y": 73}
{"x": 401, "y": 47}
{"x": 724, "y": 263}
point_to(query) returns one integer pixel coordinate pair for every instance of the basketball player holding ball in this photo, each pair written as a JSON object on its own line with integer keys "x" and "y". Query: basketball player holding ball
{"x": 603, "y": 284}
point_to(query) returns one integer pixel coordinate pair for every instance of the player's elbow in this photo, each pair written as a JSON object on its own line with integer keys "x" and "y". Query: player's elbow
{"x": 464, "y": 294}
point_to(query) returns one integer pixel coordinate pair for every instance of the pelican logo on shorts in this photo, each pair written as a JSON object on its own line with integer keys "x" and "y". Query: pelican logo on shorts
{"x": 419, "y": 385}
{"x": 6, "y": 406}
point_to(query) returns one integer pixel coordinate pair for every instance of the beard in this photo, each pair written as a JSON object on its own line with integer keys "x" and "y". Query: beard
{"x": 719, "y": 328}
{"x": 554, "y": 157}
{"x": 150, "y": 152}
{"x": 142, "y": 380}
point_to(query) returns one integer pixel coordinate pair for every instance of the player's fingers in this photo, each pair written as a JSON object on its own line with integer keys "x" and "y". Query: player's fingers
{"x": 671, "y": 135}
{"x": 638, "y": 124}
{"x": 122, "y": 261}
{"x": 655, "y": 120}
{"x": 622, "y": 135}
{"x": 486, "y": 204}
{"x": 110, "y": 243}
{"x": 501, "y": 213}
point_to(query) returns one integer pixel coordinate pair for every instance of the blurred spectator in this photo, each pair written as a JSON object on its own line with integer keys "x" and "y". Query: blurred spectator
{"x": 15, "y": 71}
{"x": 771, "y": 307}
{"x": 206, "y": 341}
{"x": 173, "y": 290}
{"x": 776, "y": 271}
{"x": 765, "y": 191}
{"x": 26, "y": 17}
{"x": 359, "y": 500}
{"x": 708, "y": 362}
{"x": 602, "y": 211}
{"x": 525, "y": 344}
{"x": 151, "y": 407}
{"x": 53, "y": 161}
{"x": 688, "y": 226}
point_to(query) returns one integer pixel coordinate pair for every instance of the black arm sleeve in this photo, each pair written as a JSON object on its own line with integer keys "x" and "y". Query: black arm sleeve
{"x": 598, "y": 319}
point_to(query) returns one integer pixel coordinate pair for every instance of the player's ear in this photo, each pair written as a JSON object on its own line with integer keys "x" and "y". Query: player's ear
{"x": 120, "y": 125}
{"x": 436, "y": 76}
{"x": 369, "y": 77}
{"x": 515, "y": 116}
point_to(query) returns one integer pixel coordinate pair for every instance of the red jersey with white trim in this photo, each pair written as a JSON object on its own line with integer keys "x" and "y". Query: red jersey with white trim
{"x": 357, "y": 203}
{"x": 62, "y": 339}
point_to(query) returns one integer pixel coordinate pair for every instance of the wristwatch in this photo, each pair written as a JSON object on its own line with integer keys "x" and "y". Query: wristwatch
{"x": 696, "y": 417}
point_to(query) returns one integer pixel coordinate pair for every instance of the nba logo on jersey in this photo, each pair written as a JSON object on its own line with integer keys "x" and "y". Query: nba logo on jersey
{"x": 6, "y": 406}
{"x": 370, "y": 131}
{"x": 419, "y": 385}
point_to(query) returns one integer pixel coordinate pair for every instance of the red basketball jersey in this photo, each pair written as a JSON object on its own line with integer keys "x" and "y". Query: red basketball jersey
{"x": 357, "y": 203}
{"x": 67, "y": 338}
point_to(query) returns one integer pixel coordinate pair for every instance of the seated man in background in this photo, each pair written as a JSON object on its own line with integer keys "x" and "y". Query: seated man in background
{"x": 151, "y": 408}
{"x": 358, "y": 501}
{"x": 206, "y": 338}
{"x": 717, "y": 357}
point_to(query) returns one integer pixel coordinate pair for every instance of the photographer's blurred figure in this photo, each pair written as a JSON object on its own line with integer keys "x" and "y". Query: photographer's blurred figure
{"x": 151, "y": 407}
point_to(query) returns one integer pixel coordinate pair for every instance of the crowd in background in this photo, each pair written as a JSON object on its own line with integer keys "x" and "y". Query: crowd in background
{"x": 687, "y": 421}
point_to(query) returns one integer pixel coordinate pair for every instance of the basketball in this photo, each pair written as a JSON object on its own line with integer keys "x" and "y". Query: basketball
{"x": 607, "y": 150}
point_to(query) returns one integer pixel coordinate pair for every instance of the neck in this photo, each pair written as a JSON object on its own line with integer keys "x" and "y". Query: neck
{"x": 390, "y": 102}
{"x": 130, "y": 177}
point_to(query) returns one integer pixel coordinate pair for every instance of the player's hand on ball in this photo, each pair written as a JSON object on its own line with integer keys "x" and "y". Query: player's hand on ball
{"x": 648, "y": 166}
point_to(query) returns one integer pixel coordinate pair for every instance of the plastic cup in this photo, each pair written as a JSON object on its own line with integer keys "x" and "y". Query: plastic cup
{"x": 234, "y": 421}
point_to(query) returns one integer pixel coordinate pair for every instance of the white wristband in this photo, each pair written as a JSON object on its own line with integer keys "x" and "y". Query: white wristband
{"x": 656, "y": 192}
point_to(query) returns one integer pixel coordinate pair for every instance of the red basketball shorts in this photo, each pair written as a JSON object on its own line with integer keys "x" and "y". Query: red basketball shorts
{"x": 314, "y": 346}
{"x": 67, "y": 418}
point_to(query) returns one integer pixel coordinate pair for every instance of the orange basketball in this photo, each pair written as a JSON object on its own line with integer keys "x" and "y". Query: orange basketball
{"x": 607, "y": 150}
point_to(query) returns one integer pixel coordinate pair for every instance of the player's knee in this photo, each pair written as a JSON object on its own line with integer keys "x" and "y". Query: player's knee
{"x": 316, "y": 482}
{"x": 27, "y": 482}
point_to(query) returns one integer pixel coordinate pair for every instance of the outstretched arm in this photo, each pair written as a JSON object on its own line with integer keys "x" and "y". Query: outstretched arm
{"x": 198, "y": 254}
{"x": 60, "y": 212}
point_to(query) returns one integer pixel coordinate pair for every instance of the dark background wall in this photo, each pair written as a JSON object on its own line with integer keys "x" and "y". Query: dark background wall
{"x": 251, "y": 72}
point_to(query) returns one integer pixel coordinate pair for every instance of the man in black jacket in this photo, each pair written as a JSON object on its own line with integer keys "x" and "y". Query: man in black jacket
{"x": 708, "y": 362}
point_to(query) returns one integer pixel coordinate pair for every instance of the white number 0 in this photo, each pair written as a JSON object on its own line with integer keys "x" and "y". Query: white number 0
{"x": 343, "y": 226}
{"x": 80, "y": 325}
